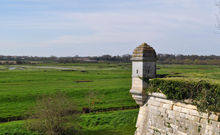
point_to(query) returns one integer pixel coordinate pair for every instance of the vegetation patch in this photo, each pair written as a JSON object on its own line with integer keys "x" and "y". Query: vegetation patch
{"x": 51, "y": 115}
{"x": 16, "y": 128}
{"x": 199, "y": 128}
{"x": 81, "y": 81}
{"x": 105, "y": 123}
{"x": 122, "y": 121}
{"x": 204, "y": 95}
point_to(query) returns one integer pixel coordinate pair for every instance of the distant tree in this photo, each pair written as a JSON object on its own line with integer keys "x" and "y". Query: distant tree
{"x": 106, "y": 57}
{"x": 126, "y": 57}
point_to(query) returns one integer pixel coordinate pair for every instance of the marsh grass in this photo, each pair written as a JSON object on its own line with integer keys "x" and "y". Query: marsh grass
{"x": 20, "y": 89}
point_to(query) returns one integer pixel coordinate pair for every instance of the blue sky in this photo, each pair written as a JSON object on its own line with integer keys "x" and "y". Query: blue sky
{"x": 116, "y": 27}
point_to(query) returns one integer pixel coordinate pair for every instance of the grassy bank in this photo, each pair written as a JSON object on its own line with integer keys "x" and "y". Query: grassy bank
{"x": 108, "y": 123}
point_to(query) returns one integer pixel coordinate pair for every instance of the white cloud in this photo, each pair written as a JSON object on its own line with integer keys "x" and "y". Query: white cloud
{"x": 167, "y": 26}
{"x": 127, "y": 26}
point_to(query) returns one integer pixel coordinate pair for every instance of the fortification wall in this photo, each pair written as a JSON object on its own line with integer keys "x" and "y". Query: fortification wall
{"x": 160, "y": 116}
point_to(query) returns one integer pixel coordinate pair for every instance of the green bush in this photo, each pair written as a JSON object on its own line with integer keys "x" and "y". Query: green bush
{"x": 204, "y": 95}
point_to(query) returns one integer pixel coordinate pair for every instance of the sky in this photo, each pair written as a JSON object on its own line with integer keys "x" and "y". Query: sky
{"x": 115, "y": 27}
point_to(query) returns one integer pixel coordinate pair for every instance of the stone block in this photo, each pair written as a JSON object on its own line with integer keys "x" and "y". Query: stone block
{"x": 160, "y": 95}
{"x": 194, "y": 112}
{"x": 168, "y": 106}
{"x": 169, "y": 130}
{"x": 177, "y": 114}
{"x": 208, "y": 127}
{"x": 152, "y": 107}
{"x": 213, "y": 117}
{"x": 164, "y": 100}
{"x": 203, "y": 115}
{"x": 180, "y": 104}
{"x": 208, "y": 133}
{"x": 204, "y": 121}
{"x": 189, "y": 117}
{"x": 157, "y": 113}
{"x": 215, "y": 124}
{"x": 185, "y": 110}
{"x": 169, "y": 133}
{"x": 183, "y": 115}
{"x": 177, "y": 118}
{"x": 175, "y": 127}
{"x": 162, "y": 110}
{"x": 177, "y": 108}
{"x": 170, "y": 112}
{"x": 191, "y": 107}
{"x": 151, "y": 98}
{"x": 188, "y": 106}
{"x": 195, "y": 119}
{"x": 154, "y": 103}
{"x": 171, "y": 116}
{"x": 181, "y": 133}
{"x": 151, "y": 131}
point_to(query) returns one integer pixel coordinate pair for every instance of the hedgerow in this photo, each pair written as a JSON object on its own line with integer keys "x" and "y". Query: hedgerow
{"x": 204, "y": 95}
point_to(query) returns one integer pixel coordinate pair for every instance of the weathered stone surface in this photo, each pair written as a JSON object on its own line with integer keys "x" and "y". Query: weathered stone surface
{"x": 144, "y": 51}
{"x": 181, "y": 133}
{"x": 154, "y": 103}
{"x": 213, "y": 117}
{"x": 184, "y": 110}
{"x": 194, "y": 112}
{"x": 159, "y": 95}
{"x": 158, "y": 117}
{"x": 188, "y": 106}
{"x": 167, "y": 106}
{"x": 143, "y": 67}
{"x": 177, "y": 108}
{"x": 164, "y": 100}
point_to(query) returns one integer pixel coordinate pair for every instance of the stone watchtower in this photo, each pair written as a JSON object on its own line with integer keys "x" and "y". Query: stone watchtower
{"x": 143, "y": 68}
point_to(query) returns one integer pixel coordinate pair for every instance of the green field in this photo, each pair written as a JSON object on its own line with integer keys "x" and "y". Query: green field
{"x": 22, "y": 85}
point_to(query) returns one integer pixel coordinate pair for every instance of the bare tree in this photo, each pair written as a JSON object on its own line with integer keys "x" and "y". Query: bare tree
{"x": 51, "y": 115}
{"x": 92, "y": 98}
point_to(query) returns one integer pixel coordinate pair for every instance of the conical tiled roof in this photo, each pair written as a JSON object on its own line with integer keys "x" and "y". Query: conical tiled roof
{"x": 144, "y": 51}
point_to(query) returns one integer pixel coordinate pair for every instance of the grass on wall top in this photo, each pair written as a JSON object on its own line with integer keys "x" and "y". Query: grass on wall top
{"x": 204, "y": 95}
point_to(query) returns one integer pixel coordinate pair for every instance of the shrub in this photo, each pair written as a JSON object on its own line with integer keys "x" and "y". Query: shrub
{"x": 204, "y": 95}
{"x": 52, "y": 114}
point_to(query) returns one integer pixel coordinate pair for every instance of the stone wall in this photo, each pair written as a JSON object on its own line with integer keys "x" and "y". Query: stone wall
{"x": 160, "y": 116}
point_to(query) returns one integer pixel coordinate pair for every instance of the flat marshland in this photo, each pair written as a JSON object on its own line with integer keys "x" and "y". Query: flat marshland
{"x": 114, "y": 111}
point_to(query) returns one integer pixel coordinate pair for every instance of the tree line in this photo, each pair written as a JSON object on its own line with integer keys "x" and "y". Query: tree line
{"x": 161, "y": 59}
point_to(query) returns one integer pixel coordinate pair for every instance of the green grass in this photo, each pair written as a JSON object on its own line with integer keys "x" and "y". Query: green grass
{"x": 118, "y": 122}
{"x": 15, "y": 128}
{"x": 115, "y": 122}
{"x": 20, "y": 88}
{"x": 209, "y": 73}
